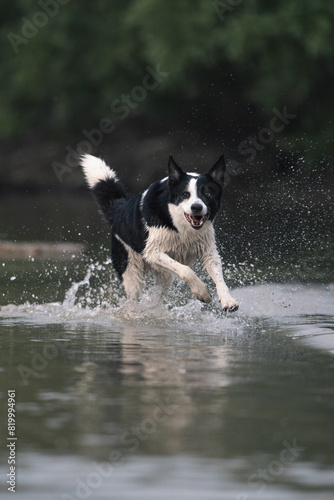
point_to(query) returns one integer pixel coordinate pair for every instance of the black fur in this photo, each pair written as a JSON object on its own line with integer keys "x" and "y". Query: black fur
{"x": 155, "y": 207}
{"x": 111, "y": 196}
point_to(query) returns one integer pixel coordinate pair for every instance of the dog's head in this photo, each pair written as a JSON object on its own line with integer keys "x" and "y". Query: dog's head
{"x": 195, "y": 198}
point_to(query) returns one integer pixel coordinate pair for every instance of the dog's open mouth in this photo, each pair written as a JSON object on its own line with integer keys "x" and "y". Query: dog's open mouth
{"x": 196, "y": 221}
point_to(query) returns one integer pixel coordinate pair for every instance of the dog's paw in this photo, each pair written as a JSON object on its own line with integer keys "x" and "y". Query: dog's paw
{"x": 229, "y": 304}
{"x": 201, "y": 292}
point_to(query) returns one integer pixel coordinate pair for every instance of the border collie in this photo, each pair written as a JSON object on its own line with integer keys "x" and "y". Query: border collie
{"x": 163, "y": 229}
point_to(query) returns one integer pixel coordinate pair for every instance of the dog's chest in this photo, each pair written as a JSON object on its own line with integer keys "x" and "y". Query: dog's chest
{"x": 183, "y": 247}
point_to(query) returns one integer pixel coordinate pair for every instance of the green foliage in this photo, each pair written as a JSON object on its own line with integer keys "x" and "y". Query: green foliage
{"x": 89, "y": 53}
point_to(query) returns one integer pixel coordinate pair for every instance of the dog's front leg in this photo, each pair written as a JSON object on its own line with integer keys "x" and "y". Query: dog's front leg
{"x": 162, "y": 260}
{"x": 212, "y": 264}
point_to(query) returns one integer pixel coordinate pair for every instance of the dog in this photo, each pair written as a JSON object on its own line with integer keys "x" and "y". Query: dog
{"x": 163, "y": 229}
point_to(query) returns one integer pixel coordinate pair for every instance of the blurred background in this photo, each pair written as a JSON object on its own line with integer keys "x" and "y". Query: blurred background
{"x": 196, "y": 78}
{"x": 133, "y": 81}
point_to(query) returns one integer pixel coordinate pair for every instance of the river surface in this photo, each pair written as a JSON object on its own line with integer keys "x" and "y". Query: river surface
{"x": 150, "y": 400}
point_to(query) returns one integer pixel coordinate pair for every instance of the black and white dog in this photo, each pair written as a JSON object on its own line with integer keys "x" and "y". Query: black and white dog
{"x": 163, "y": 229}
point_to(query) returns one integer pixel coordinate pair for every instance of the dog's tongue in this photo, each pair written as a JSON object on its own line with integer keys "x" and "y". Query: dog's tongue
{"x": 195, "y": 220}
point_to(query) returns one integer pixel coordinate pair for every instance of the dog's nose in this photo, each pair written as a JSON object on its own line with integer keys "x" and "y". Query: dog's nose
{"x": 196, "y": 208}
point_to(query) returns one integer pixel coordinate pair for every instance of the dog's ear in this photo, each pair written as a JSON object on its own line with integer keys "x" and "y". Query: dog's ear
{"x": 174, "y": 171}
{"x": 218, "y": 171}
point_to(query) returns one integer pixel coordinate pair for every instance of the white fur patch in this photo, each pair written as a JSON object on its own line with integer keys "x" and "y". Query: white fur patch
{"x": 133, "y": 277}
{"x": 183, "y": 246}
{"x": 175, "y": 251}
{"x": 177, "y": 211}
{"x": 186, "y": 205}
{"x": 96, "y": 170}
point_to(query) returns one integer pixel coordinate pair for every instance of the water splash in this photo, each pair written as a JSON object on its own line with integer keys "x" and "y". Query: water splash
{"x": 71, "y": 294}
{"x": 97, "y": 298}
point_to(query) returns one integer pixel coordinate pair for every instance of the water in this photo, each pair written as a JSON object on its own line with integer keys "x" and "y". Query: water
{"x": 150, "y": 400}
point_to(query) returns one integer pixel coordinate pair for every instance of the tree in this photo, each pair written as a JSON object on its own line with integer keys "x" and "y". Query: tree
{"x": 64, "y": 63}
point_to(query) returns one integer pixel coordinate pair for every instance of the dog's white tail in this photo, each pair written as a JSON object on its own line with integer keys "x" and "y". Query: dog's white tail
{"x": 107, "y": 190}
{"x": 96, "y": 170}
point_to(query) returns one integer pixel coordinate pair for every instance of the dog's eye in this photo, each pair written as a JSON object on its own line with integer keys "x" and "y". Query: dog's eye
{"x": 186, "y": 195}
{"x": 208, "y": 193}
